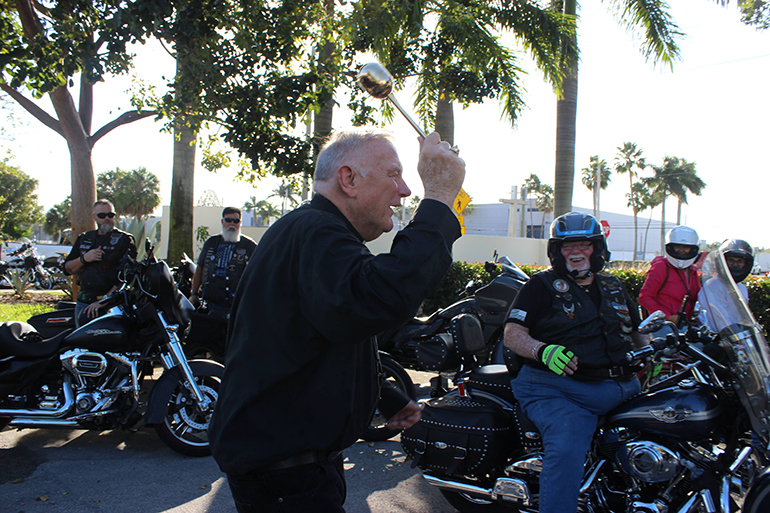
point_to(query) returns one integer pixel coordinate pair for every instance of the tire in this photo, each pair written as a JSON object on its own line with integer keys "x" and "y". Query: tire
{"x": 185, "y": 427}
{"x": 395, "y": 373}
{"x": 44, "y": 281}
{"x": 465, "y": 503}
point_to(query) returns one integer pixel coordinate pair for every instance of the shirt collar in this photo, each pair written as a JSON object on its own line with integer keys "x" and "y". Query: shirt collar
{"x": 320, "y": 202}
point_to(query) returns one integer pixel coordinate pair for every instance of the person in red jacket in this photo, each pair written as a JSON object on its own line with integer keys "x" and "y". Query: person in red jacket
{"x": 673, "y": 276}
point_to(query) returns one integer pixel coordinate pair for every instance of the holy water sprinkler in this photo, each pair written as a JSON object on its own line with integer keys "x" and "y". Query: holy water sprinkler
{"x": 378, "y": 82}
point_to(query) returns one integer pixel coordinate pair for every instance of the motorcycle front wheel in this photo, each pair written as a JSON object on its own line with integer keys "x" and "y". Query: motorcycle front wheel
{"x": 185, "y": 426}
{"x": 44, "y": 282}
{"x": 377, "y": 430}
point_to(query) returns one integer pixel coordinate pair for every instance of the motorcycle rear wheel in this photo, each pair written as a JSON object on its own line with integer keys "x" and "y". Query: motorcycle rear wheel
{"x": 465, "y": 503}
{"x": 44, "y": 282}
{"x": 185, "y": 426}
{"x": 377, "y": 430}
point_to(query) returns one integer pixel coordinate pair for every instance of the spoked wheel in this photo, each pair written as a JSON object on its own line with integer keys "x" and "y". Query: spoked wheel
{"x": 45, "y": 282}
{"x": 395, "y": 373}
{"x": 185, "y": 427}
{"x": 465, "y": 503}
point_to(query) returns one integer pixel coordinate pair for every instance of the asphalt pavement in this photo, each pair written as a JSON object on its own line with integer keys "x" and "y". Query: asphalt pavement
{"x": 77, "y": 471}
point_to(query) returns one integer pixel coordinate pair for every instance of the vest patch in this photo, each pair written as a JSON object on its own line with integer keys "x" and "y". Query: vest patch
{"x": 561, "y": 285}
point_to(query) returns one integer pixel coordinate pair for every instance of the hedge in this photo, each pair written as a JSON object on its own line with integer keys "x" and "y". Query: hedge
{"x": 453, "y": 284}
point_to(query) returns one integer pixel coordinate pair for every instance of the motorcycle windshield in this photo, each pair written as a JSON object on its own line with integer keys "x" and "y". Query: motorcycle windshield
{"x": 740, "y": 336}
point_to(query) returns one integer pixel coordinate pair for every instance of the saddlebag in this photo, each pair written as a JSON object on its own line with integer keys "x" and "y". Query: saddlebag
{"x": 460, "y": 436}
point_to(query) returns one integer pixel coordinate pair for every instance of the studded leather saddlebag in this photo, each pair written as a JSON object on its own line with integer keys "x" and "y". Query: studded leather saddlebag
{"x": 460, "y": 436}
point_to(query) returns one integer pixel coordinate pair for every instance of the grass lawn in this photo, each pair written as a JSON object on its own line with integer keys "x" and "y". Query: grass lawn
{"x": 21, "y": 312}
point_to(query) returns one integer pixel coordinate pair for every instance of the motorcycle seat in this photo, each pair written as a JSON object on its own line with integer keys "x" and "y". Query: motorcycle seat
{"x": 21, "y": 340}
{"x": 494, "y": 379}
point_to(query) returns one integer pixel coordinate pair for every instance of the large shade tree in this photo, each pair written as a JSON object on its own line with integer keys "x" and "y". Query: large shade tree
{"x": 18, "y": 202}
{"x": 649, "y": 19}
{"x": 56, "y": 47}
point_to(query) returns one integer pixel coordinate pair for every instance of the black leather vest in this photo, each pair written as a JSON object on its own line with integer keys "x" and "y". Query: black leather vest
{"x": 220, "y": 287}
{"x": 600, "y": 338}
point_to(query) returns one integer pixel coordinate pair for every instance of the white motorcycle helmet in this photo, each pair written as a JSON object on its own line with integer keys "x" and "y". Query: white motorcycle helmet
{"x": 685, "y": 236}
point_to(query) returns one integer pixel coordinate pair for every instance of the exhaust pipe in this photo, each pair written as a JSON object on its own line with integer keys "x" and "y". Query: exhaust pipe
{"x": 453, "y": 486}
{"x": 28, "y": 422}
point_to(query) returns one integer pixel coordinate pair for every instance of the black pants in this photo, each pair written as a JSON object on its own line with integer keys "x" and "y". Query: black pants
{"x": 318, "y": 487}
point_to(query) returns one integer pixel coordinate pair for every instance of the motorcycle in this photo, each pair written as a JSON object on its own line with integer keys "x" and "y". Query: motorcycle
{"x": 697, "y": 441}
{"x": 463, "y": 335}
{"x": 92, "y": 377}
{"x": 26, "y": 258}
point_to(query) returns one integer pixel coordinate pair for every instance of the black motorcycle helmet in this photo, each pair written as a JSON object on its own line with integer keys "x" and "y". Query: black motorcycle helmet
{"x": 738, "y": 248}
{"x": 575, "y": 227}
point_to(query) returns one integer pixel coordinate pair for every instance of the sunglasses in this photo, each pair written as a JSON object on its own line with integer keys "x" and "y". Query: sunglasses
{"x": 102, "y": 215}
{"x": 234, "y": 220}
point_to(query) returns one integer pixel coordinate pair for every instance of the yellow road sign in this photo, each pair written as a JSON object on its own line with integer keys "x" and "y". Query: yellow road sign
{"x": 462, "y": 224}
{"x": 461, "y": 201}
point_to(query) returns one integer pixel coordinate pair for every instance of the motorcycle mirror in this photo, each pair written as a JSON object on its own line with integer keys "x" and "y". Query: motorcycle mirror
{"x": 696, "y": 310}
{"x": 653, "y": 322}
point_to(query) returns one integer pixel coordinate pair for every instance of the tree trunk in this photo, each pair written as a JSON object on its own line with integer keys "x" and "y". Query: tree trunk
{"x": 445, "y": 119}
{"x": 180, "y": 230}
{"x": 636, "y": 212}
{"x": 81, "y": 166}
{"x": 566, "y": 121}
{"x": 678, "y": 212}
{"x": 636, "y": 226}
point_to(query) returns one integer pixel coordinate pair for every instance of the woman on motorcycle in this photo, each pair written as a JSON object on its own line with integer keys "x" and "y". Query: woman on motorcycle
{"x": 673, "y": 276}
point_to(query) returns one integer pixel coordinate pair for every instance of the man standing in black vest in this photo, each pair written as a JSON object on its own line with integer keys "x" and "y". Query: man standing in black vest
{"x": 572, "y": 326}
{"x": 95, "y": 258}
{"x": 221, "y": 264}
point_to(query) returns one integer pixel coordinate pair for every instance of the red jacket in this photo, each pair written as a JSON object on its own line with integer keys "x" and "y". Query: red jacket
{"x": 665, "y": 288}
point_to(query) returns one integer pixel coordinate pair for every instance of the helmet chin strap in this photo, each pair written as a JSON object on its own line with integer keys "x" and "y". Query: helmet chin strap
{"x": 579, "y": 274}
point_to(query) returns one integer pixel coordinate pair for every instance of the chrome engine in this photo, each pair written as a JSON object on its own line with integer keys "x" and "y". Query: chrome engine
{"x": 648, "y": 462}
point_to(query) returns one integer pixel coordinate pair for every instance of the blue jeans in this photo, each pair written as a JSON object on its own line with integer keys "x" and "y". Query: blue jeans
{"x": 566, "y": 412}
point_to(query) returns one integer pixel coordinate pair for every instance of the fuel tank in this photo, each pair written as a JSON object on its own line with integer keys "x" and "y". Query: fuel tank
{"x": 686, "y": 411}
{"x": 106, "y": 333}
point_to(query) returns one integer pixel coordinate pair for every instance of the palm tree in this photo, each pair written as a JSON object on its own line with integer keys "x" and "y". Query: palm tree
{"x": 658, "y": 43}
{"x": 531, "y": 185}
{"x": 628, "y": 158}
{"x": 544, "y": 203}
{"x": 249, "y": 206}
{"x": 286, "y": 191}
{"x": 462, "y": 59}
{"x": 265, "y": 209}
{"x": 674, "y": 178}
{"x": 596, "y": 178}
{"x": 138, "y": 193}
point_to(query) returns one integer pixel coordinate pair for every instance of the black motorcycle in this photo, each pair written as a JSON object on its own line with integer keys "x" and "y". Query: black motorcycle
{"x": 92, "y": 377}
{"x": 25, "y": 258}
{"x": 464, "y": 335}
{"x": 698, "y": 441}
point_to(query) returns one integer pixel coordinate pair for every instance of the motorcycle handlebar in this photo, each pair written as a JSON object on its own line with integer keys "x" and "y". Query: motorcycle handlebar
{"x": 658, "y": 344}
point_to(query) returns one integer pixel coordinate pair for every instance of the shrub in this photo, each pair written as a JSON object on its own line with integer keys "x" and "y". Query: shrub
{"x": 453, "y": 284}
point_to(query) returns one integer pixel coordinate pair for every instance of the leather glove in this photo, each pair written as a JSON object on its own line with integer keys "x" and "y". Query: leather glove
{"x": 556, "y": 357}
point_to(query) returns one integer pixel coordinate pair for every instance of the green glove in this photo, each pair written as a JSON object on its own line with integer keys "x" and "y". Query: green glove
{"x": 653, "y": 369}
{"x": 556, "y": 357}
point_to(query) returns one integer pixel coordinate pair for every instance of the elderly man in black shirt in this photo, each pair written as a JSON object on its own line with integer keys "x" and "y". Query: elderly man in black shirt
{"x": 301, "y": 379}
{"x": 95, "y": 258}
